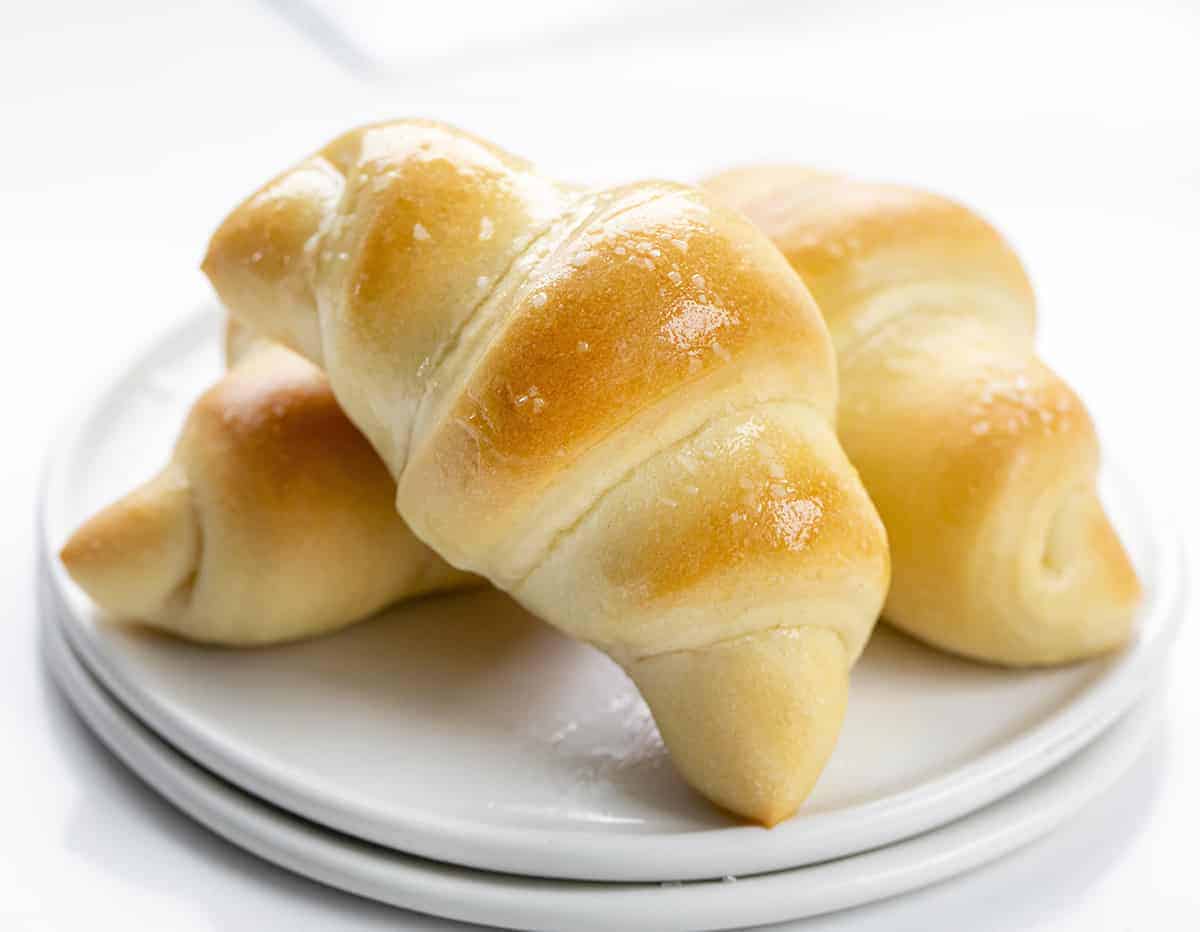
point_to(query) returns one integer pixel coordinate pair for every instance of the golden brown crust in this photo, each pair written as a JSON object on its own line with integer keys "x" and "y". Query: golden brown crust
{"x": 981, "y": 461}
{"x": 276, "y": 440}
{"x": 748, "y": 501}
{"x": 526, "y": 357}
{"x": 659, "y": 299}
{"x": 826, "y": 224}
{"x": 260, "y": 250}
{"x": 273, "y": 521}
{"x": 576, "y": 356}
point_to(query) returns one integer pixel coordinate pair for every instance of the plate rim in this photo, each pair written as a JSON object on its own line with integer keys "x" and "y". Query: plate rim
{"x": 466, "y": 894}
{"x": 582, "y": 854}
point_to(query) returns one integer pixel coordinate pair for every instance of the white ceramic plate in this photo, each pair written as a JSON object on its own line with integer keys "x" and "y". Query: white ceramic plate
{"x": 460, "y": 729}
{"x": 520, "y": 902}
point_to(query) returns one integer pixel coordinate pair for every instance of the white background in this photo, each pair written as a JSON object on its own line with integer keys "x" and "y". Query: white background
{"x": 130, "y": 127}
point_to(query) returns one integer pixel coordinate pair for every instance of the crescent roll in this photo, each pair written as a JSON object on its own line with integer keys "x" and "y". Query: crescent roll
{"x": 272, "y": 521}
{"x": 981, "y": 460}
{"x": 616, "y": 405}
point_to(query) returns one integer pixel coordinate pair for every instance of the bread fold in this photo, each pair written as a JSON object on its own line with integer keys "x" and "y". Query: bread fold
{"x": 981, "y": 461}
{"x": 617, "y": 405}
{"x": 272, "y": 521}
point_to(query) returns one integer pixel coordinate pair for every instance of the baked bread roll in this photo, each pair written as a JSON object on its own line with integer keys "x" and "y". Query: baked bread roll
{"x": 982, "y": 462}
{"x": 272, "y": 521}
{"x": 616, "y": 405}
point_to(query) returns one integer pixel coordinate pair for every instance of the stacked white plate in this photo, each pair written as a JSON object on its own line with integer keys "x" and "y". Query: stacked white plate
{"x": 456, "y": 757}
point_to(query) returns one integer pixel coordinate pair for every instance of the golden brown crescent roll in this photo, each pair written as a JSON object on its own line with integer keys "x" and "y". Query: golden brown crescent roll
{"x": 982, "y": 462}
{"x": 273, "y": 520}
{"x": 616, "y": 405}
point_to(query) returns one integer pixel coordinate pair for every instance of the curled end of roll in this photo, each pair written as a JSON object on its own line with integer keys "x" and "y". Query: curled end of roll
{"x": 751, "y": 722}
{"x": 140, "y": 553}
{"x": 1082, "y": 584}
{"x": 260, "y": 259}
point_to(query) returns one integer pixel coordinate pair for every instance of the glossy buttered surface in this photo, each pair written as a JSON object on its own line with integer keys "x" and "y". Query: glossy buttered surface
{"x": 1090, "y": 169}
{"x": 539, "y": 366}
{"x": 460, "y": 728}
{"x": 981, "y": 460}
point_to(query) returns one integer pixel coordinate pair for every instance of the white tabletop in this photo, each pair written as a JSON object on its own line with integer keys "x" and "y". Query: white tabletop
{"x": 129, "y": 128}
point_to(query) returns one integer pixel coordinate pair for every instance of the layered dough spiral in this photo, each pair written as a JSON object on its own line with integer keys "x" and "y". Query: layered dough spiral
{"x": 981, "y": 460}
{"x": 616, "y": 405}
{"x": 271, "y": 522}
